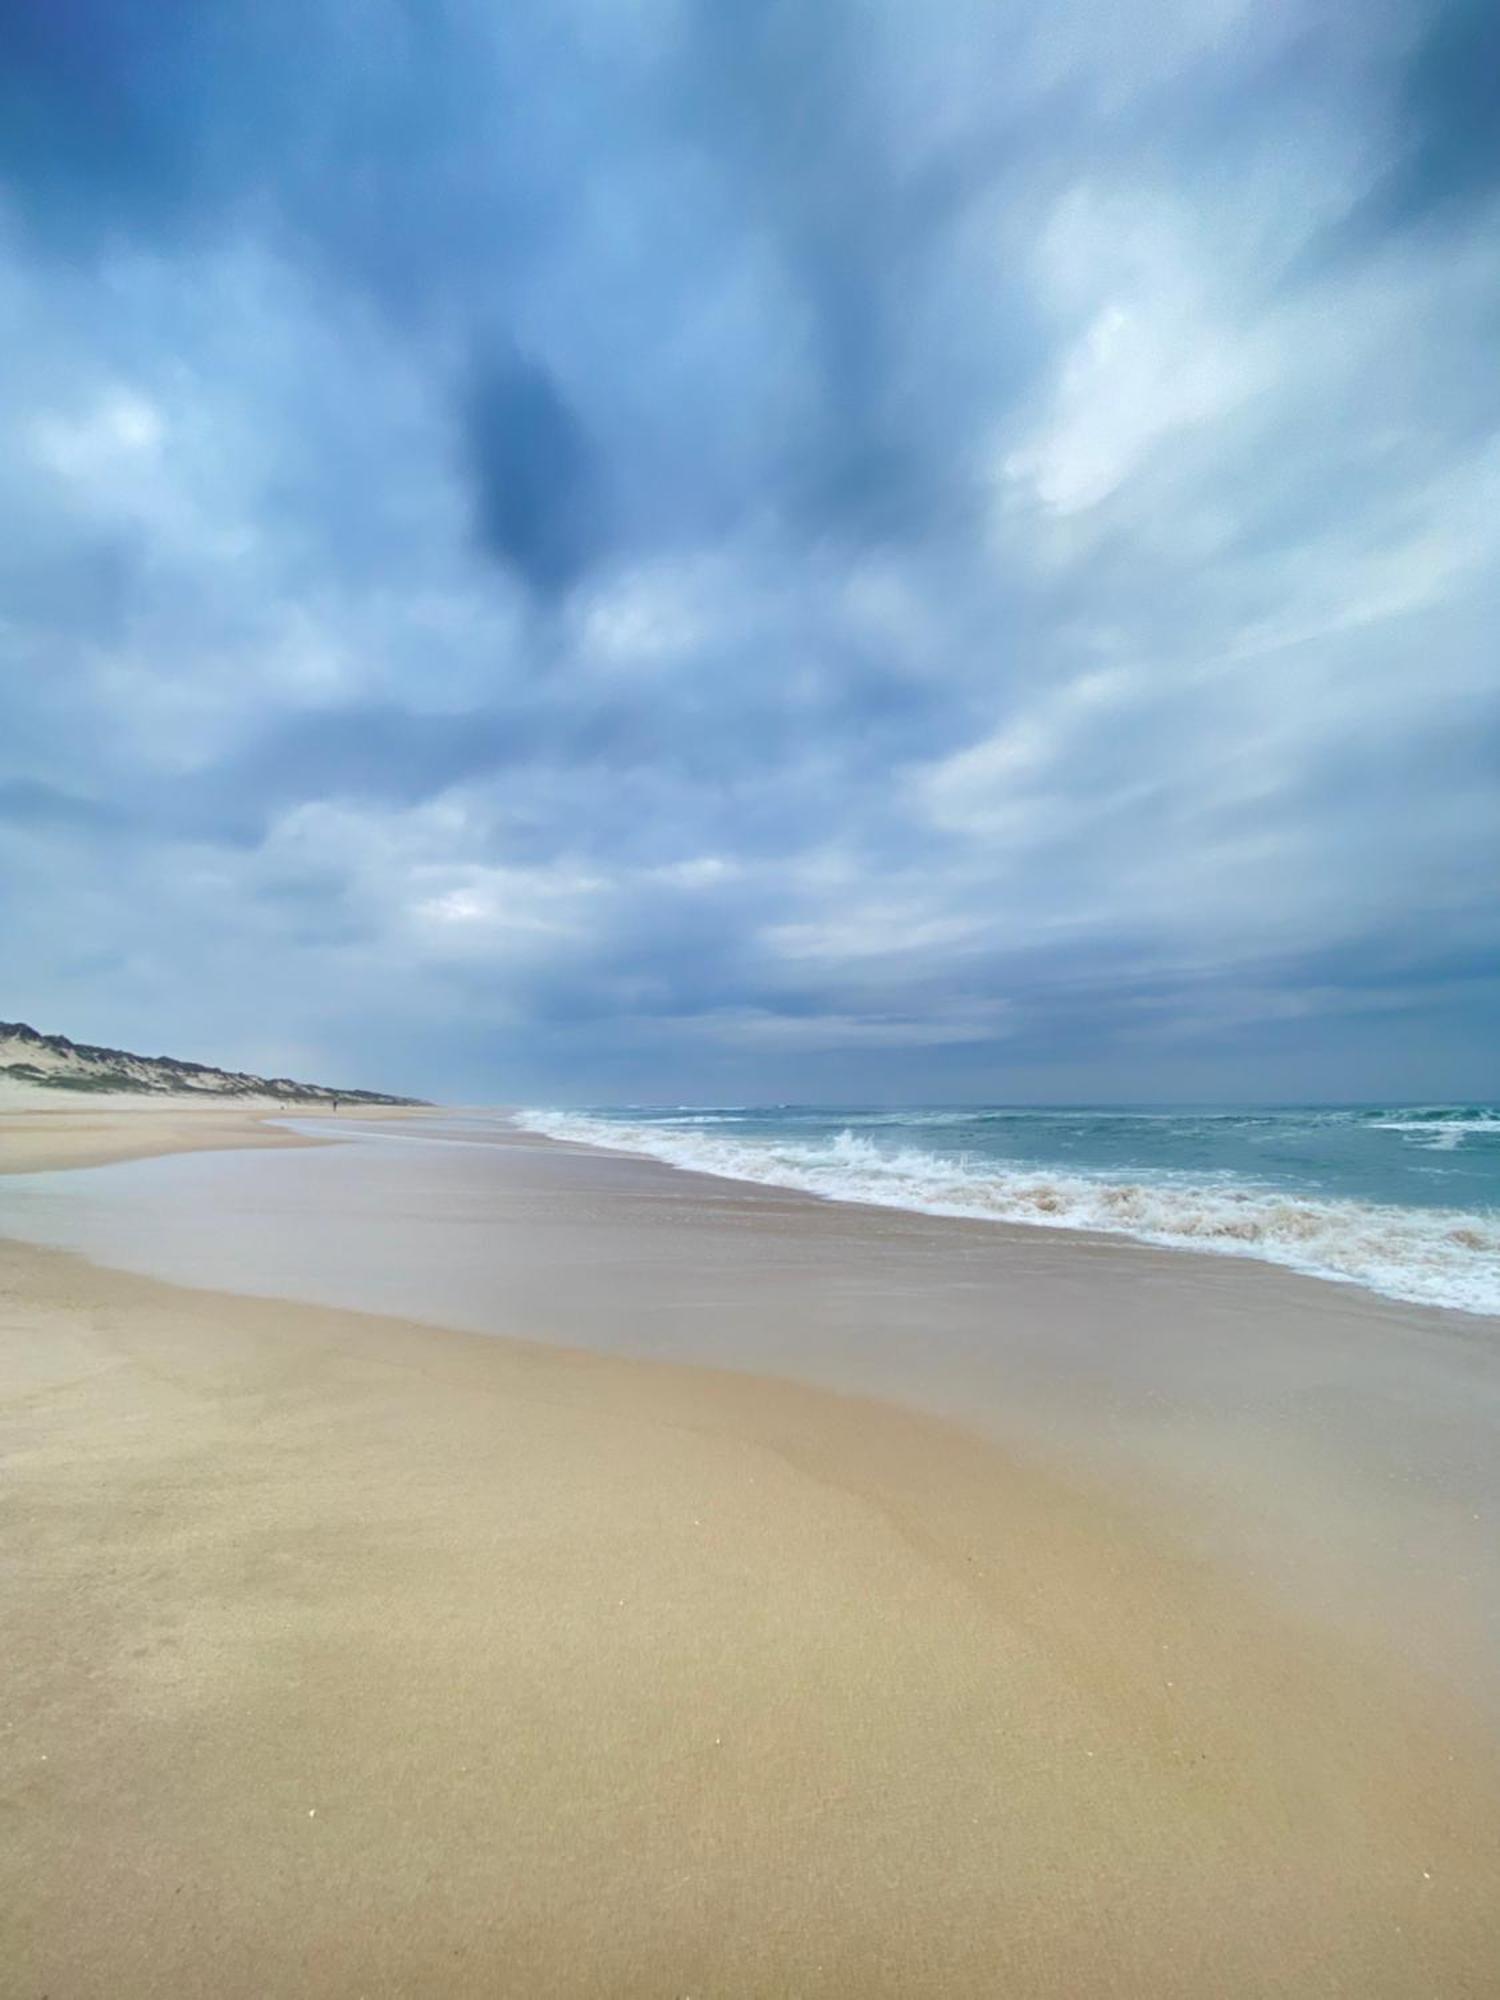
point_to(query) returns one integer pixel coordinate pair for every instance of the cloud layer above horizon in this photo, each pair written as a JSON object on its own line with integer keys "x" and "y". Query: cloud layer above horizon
{"x": 593, "y": 550}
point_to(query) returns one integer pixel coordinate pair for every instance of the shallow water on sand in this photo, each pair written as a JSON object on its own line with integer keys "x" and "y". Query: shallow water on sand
{"x": 1404, "y": 1200}
{"x": 1347, "y": 1448}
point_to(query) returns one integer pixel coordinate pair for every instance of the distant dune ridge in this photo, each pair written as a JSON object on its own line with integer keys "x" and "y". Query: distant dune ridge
{"x": 53, "y": 1062}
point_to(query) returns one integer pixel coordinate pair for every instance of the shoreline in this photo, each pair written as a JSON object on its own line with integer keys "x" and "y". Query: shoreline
{"x": 108, "y": 1130}
{"x": 355, "y": 1654}
{"x": 1250, "y": 1397}
{"x": 1245, "y": 1221}
{"x": 46, "y": 1139}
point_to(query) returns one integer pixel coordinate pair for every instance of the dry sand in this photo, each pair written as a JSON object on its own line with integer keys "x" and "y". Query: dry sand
{"x": 349, "y": 1656}
{"x": 43, "y": 1129}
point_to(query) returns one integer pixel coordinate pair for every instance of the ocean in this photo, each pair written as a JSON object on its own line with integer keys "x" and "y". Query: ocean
{"x": 1402, "y": 1199}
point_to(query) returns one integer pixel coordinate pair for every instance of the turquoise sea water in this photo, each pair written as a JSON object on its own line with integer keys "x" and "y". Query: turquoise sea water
{"x": 1404, "y": 1199}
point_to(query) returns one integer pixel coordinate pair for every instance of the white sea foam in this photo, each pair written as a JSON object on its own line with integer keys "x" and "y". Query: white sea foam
{"x": 1440, "y": 1131}
{"x": 1441, "y": 1257}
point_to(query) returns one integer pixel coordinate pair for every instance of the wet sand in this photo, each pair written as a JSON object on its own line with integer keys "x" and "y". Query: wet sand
{"x": 351, "y": 1655}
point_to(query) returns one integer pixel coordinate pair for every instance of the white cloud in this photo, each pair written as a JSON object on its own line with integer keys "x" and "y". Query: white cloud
{"x": 1155, "y": 351}
{"x": 987, "y": 790}
{"x": 653, "y": 615}
{"x": 103, "y": 444}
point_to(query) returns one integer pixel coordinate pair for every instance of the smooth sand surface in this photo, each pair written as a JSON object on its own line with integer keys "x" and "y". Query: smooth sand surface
{"x": 351, "y": 1656}
{"x": 41, "y": 1130}
{"x": 1343, "y": 1448}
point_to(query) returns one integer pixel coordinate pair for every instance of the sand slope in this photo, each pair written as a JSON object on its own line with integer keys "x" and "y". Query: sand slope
{"x": 346, "y": 1657}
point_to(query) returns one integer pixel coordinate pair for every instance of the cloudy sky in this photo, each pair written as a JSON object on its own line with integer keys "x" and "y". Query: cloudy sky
{"x": 615, "y": 549}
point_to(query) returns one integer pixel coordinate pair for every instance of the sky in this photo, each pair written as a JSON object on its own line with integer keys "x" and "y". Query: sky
{"x": 670, "y": 550}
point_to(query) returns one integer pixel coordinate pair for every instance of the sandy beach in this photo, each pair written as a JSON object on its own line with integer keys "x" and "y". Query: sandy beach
{"x": 351, "y": 1654}
{"x": 42, "y": 1130}
{"x": 749, "y": 1094}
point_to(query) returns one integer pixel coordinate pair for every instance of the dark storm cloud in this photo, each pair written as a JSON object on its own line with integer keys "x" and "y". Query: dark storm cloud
{"x": 89, "y": 138}
{"x": 24, "y": 802}
{"x": 803, "y": 550}
{"x": 1436, "y": 103}
{"x": 1447, "y": 128}
{"x": 783, "y": 99}
{"x": 537, "y": 501}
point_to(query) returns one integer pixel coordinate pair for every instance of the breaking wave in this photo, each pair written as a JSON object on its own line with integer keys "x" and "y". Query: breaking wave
{"x": 1428, "y": 1256}
{"x": 1442, "y": 1128}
